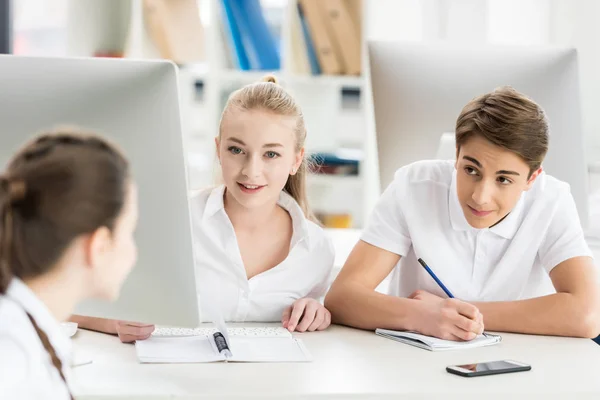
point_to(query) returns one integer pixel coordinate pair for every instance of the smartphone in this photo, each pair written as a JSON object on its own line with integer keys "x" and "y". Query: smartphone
{"x": 488, "y": 368}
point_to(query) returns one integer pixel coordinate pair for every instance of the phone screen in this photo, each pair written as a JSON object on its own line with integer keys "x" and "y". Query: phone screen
{"x": 490, "y": 366}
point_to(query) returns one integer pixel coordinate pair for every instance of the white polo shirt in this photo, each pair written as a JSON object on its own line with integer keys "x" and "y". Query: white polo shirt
{"x": 222, "y": 282}
{"x": 419, "y": 216}
{"x": 26, "y": 370}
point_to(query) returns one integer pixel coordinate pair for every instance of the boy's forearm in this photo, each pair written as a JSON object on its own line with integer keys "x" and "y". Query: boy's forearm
{"x": 560, "y": 314}
{"x": 95, "y": 324}
{"x": 360, "y": 307}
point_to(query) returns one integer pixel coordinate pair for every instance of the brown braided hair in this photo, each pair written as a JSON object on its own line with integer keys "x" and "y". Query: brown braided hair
{"x": 61, "y": 185}
{"x": 51, "y": 352}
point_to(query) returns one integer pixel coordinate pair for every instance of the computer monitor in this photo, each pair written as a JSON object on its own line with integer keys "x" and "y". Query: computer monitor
{"x": 136, "y": 105}
{"x": 419, "y": 90}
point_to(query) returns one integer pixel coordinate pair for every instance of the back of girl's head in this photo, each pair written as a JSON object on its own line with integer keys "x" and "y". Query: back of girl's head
{"x": 267, "y": 95}
{"x": 60, "y": 186}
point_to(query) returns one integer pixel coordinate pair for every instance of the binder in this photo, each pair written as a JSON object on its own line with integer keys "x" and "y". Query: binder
{"x": 355, "y": 9}
{"x": 233, "y": 35}
{"x": 311, "y": 53}
{"x": 300, "y": 63}
{"x": 260, "y": 37}
{"x": 175, "y": 28}
{"x": 328, "y": 59}
{"x": 344, "y": 34}
{"x": 241, "y": 21}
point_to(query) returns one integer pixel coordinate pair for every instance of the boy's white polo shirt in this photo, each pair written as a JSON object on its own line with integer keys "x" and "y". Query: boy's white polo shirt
{"x": 419, "y": 216}
{"x": 222, "y": 283}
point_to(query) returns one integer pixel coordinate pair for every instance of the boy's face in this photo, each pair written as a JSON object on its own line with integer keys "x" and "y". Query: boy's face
{"x": 489, "y": 181}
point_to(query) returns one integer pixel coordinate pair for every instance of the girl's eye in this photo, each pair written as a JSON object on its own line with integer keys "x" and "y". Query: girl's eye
{"x": 235, "y": 150}
{"x": 271, "y": 154}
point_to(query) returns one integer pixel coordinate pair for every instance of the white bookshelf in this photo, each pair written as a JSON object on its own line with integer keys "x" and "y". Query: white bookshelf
{"x": 330, "y": 124}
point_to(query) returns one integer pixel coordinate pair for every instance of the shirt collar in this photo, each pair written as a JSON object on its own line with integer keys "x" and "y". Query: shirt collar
{"x": 215, "y": 203}
{"x": 21, "y": 294}
{"x": 506, "y": 228}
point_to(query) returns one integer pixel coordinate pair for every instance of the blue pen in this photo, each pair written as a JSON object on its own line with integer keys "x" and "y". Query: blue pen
{"x": 435, "y": 278}
{"x": 430, "y": 272}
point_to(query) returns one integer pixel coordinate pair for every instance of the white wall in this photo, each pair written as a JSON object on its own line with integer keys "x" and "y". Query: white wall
{"x": 97, "y": 25}
{"x": 577, "y": 23}
{"x": 393, "y": 19}
{"x": 573, "y": 23}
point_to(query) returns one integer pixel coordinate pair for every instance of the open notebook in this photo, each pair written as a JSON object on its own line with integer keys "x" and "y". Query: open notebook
{"x": 435, "y": 344}
{"x": 221, "y": 344}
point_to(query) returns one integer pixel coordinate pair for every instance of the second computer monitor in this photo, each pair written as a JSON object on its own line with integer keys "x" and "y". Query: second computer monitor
{"x": 419, "y": 91}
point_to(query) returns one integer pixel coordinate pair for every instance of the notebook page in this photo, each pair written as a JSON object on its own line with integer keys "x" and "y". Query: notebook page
{"x": 267, "y": 331}
{"x": 433, "y": 343}
{"x": 273, "y": 349}
{"x": 176, "y": 350}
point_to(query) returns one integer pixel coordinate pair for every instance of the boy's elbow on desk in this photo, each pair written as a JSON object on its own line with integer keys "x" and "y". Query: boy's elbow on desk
{"x": 334, "y": 302}
{"x": 331, "y": 300}
{"x": 589, "y": 325}
{"x": 583, "y": 321}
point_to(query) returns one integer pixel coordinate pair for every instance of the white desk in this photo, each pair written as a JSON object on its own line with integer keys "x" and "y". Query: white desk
{"x": 347, "y": 364}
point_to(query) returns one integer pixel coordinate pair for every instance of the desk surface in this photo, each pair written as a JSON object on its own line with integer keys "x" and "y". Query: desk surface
{"x": 348, "y": 363}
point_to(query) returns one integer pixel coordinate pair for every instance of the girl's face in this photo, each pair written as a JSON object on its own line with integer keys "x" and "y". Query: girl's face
{"x": 114, "y": 254}
{"x": 257, "y": 152}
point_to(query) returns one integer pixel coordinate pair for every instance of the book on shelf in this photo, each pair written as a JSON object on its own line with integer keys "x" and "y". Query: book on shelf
{"x": 332, "y": 33}
{"x": 304, "y": 58}
{"x": 336, "y": 163}
{"x": 335, "y": 220}
{"x": 344, "y": 34}
{"x": 327, "y": 57}
{"x": 175, "y": 29}
{"x": 251, "y": 41}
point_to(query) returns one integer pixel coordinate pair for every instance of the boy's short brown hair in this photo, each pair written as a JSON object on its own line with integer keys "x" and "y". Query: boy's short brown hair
{"x": 508, "y": 119}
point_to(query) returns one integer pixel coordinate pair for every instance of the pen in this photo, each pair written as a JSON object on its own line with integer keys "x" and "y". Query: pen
{"x": 437, "y": 280}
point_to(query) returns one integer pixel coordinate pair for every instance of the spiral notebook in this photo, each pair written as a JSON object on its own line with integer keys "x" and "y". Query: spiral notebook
{"x": 204, "y": 345}
{"x": 434, "y": 344}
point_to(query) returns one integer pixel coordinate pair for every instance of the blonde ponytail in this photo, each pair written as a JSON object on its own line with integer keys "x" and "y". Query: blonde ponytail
{"x": 268, "y": 95}
{"x": 270, "y": 79}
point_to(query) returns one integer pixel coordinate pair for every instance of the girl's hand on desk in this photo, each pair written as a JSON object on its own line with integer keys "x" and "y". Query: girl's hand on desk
{"x": 131, "y": 331}
{"x": 306, "y": 314}
{"x": 449, "y": 319}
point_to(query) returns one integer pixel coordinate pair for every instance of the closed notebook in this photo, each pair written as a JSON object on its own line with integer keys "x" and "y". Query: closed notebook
{"x": 215, "y": 345}
{"x": 434, "y": 344}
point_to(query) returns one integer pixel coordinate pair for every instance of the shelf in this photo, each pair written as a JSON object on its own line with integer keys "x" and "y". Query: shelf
{"x": 334, "y": 180}
{"x": 197, "y": 71}
{"x": 335, "y": 80}
{"x": 238, "y": 76}
{"x": 244, "y": 77}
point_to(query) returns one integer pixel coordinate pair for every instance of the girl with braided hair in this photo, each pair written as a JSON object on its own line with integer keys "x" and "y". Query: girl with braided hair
{"x": 68, "y": 210}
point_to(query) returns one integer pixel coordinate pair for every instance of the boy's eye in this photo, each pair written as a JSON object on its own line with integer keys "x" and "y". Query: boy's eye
{"x": 271, "y": 154}
{"x": 234, "y": 150}
{"x": 504, "y": 181}
{"x": 470, "y": 171}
